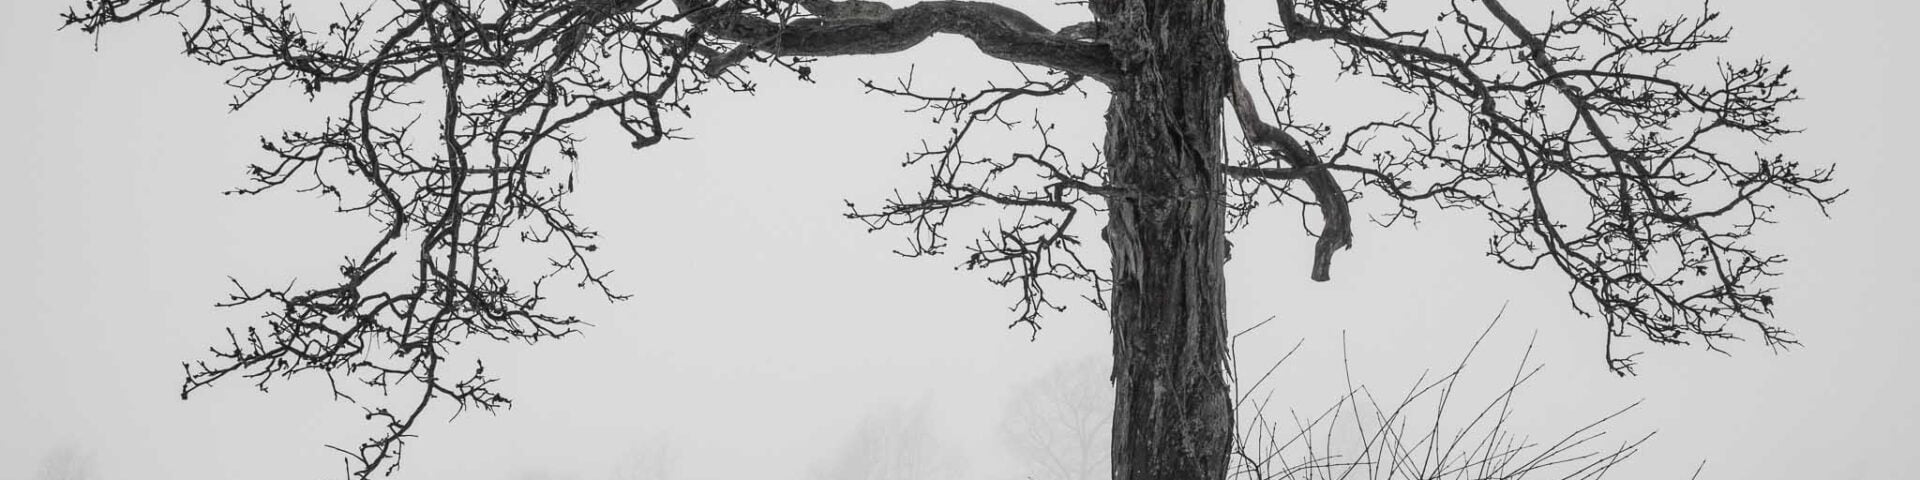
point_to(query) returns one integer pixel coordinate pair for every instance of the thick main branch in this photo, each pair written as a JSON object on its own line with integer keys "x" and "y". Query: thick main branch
{"x": 999, "y": 31}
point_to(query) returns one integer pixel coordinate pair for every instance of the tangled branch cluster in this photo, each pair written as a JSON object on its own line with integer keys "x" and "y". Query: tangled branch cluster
{"x": 1048, "y": 192}
{"x": 455, "y": 134}
{"x": 1579, "y": 138}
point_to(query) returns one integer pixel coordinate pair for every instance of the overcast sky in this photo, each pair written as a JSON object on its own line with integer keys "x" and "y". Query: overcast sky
{"x": 764, "y": 327}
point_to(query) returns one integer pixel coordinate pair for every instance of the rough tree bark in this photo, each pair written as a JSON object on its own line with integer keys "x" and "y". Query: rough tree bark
{"x": 1167, "y": 232}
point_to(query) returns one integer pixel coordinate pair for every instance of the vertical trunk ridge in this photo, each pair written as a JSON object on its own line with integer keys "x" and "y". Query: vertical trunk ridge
{"x": 1172, "y": 414}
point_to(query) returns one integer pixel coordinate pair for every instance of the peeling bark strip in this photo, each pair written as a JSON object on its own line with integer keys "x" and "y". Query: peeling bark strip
{"x": 1172, "y": 413}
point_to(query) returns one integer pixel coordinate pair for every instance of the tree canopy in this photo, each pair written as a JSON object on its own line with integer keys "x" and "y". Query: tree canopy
{"x": 1579, "y": 133}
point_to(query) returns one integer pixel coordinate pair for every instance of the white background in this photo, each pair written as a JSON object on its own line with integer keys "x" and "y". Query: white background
{"x": 764, "y": 326}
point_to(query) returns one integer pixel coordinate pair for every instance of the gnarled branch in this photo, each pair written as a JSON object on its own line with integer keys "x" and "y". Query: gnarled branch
{"x": 1336, "y": 231}
{"x": 999, "y": 31}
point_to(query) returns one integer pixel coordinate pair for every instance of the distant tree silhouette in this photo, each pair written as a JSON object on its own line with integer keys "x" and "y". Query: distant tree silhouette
{"x": 541, "y": 474}
{"x": 655, "y": 460}
{"x": 1060, "y": 425}
{"x": 1580, "y": 132}
{"x": 66, "y": 462}
{"x": 895, "y": 442}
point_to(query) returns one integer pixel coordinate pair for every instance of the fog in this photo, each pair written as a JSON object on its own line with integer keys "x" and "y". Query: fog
{"x": 770, "y": 338}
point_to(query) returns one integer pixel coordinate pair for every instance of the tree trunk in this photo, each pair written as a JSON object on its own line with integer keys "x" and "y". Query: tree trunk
{"x": 1167, "y": 231}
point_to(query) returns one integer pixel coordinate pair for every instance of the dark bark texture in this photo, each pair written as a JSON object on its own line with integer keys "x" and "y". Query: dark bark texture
{"x": 1172, "y": 415}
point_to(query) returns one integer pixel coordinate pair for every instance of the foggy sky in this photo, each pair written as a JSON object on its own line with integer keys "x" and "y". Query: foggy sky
{"x": 764, "y": 327}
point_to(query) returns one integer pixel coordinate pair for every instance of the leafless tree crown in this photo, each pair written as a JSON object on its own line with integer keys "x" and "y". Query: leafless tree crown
{"x": 1572, "y": 131}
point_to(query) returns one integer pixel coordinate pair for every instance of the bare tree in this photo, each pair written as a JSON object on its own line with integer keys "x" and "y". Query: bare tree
{"x": 1059, "y": 425}
{"x": 67, "y": 463}
{"x": 541, "y": 474}
{"x": 655, "y": 460}
{"x": 1580, "y": 131}
{"x": 894, "y": 443}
